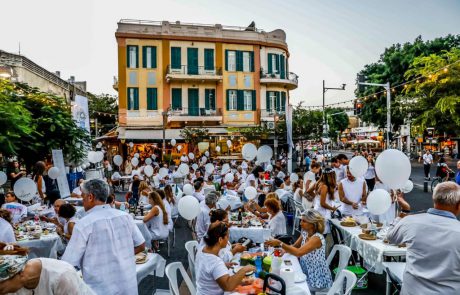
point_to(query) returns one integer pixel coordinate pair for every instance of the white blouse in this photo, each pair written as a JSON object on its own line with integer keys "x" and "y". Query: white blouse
{"x": 277, "y": 224}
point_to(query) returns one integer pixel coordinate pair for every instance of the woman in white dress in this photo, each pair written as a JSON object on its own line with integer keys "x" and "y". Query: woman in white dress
{"x": 45, "y": 276}
{"x": 326, "y": 195}
{"x": 212, "y": 275}
{"x": 144, "y": 190}
{"x": 171, "y": 200}
{"x": 67, "y": 212}
{"x": 370, "y": 173}
{"x": 277, "y": 221}
{"x": 157, "y": 218}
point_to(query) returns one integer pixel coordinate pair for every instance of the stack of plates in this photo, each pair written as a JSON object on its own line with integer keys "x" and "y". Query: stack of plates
{"x": 141, "y": 258}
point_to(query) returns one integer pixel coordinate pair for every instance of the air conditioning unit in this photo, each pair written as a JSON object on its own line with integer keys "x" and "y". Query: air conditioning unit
{"x": 270, "y": 125}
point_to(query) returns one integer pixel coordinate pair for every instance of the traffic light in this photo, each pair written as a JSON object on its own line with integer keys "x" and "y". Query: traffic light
{"x": 358, "y": 107}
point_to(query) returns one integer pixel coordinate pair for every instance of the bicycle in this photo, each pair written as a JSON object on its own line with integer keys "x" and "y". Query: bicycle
{"x": 437, "y": 180}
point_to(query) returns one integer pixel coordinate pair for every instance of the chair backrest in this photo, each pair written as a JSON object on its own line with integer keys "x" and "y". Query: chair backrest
{"x": 394, "y": 281}
{"x": 344, "y": 276}
{"x": 171, "y": 273}
{"x": 335, "y": 232}
{"x": 191, "y": 247}
{"x": 344, "y": 256}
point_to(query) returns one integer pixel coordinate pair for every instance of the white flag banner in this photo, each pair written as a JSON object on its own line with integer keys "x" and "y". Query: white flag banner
{"x": 58, "y": 161}
{"x": 80, "y": 112}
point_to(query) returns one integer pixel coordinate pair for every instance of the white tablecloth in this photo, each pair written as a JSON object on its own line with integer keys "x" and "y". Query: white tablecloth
{"x": 256, "y": 234}
{"x": 371, "y": 251}
{"x": 145, "y": 232}
{"x": 47, "y": 246}
{"x": 230, "y": 199}
{"x": 155, "y": 265}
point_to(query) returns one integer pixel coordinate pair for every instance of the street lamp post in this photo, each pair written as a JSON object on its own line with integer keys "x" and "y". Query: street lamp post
{"x": 324, "y": 107}
{"x": 165, "y": 115}
{"x": 275, "y": 140}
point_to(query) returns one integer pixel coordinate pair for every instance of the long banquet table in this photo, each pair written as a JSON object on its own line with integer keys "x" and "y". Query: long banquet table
{"x": 372, "y": 252}
{"x": 47, "y": 246}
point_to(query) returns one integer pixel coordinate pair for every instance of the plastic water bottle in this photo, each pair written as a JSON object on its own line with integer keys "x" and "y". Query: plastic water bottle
{"x": 258, "y": 264}
{"x": 123, "y": 207}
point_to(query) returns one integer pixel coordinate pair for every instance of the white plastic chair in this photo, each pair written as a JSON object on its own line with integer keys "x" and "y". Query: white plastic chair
{"x": 344, "y": 276}
{"x": 191, "y": 247}
{"x": 171, "y": 273}
{"x": 344, "y": 256}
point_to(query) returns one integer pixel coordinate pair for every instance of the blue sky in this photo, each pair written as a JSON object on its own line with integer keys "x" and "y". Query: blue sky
{"x": 328, "y": 39}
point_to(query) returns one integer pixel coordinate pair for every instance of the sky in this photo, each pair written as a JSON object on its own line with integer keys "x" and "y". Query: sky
{"x": 328, "y": 40}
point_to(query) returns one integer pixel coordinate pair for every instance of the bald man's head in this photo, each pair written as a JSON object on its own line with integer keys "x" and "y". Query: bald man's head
{"x": 57, "y": 204}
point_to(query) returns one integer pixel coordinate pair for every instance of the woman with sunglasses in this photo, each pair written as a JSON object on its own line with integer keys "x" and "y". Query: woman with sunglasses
{"x": 310, "y": 248}
{"x": 212, "y": 276}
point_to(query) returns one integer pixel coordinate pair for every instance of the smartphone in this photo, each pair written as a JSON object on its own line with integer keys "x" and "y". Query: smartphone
{"x": 247, "y": 242}
{"x": 287, "y": 262}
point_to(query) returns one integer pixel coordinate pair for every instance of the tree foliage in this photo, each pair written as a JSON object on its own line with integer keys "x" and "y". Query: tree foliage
{"x": 34, "y": 122}
{"x": 392, "y": 67}
{"x": 104, "y": 107}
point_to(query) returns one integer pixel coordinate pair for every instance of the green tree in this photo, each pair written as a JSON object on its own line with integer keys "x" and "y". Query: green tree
{"x": 49, "y": 125}
{"x": 437, "y": 94}
{"x": 104, "y": 108}
{"x": 337, "y": 121}
{"x": 391, "y": 67}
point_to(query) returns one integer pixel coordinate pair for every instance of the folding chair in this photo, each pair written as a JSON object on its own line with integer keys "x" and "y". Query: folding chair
{"x": 171, "y": 273}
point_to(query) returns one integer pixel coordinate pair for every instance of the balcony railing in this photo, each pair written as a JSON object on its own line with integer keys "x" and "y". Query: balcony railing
{"x": 265, "y": 113}
{"x": 292, "y": 77}
{"x": 198, "y": 112}
{"x": 194, "y": 71}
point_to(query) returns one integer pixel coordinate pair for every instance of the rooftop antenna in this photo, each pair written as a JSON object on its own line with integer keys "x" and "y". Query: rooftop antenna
{"x": 19, "y": 47}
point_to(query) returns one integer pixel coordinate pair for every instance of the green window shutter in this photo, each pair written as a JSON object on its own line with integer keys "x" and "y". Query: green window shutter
{"x": 253, "y": 100}
{"x": 137, "y": 58}
{"x": 282, "y": 68}
{"x": 277, "y": 101}
{"x": 240, "y": 100}
{"x": 270, "y": 67}
{"x": 152, "y": 99}
{"x": 209, "y": 59}
{"x": 277, "y": 60}
{"x": 251, "y": 60}
{"x": 212, "y": 99}
{"x": 239, "y": 61}
{"x": 154, "y": 57}
{"x": 283, "y": 101}
{"x": 176, "y": 98}
{"x": 144, "y": 56}
{"x": 128, "y": 98}
{"x": 228, "y": 100}
{"x": 268, "y": 101}
{"x": 136, "y": 98}
{"x": 206, "y": 97}
{"x": 226, "y": 61}
{"x": 127, "y": 57}
{"x": 176, "y": 57}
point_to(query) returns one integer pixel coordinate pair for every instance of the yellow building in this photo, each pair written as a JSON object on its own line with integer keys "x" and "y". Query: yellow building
{"x": 210, "y": 76}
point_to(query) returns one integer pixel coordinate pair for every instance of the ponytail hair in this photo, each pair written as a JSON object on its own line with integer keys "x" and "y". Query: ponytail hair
{"x": 157, "y": 201}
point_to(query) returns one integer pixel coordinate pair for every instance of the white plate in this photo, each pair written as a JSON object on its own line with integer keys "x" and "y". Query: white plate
{"x": 300, "y": 277}
{"x": 139, "y": 217}
{"x": 237, "y": 269}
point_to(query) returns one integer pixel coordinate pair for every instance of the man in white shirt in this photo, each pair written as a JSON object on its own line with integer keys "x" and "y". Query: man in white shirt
{"x": 203, "y": 219}
{"x": 198, "y": 194}
{"x": 338, "y": 169}
{"x": 104, "y": 243}
{"x": 18, "y": 211}
{"x": 184, "y": 158}
{"x": 427, "y": 161}
{"x": 353, "y": 194}
{"x": 433, "y": 263}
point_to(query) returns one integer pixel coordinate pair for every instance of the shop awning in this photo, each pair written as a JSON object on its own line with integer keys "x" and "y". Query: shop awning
{"x": 157, "y": 134}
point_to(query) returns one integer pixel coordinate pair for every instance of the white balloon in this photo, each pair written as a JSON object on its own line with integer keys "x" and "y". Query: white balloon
{"x": 148, "y": 170}
{"x": 153, "y": 156}
{"x": 250, "y": 193}
{"x": 249, "y": 151}
{"x": 148, "y": 161}
{"x": 3, "y": 178}
{"x": 116, "y": 176}
{"x": 173, "y": 142}
{"x": 191, "y": 156}
{"x": 218, "y": 149}
{"x": 408, "y": 187}
{"x": 79, "y": 169}
{"x": 135, "y": 161}
{"x": 294, "y": 177}
{"x": 118, "y": 160}
{"x": 225, "y": 168}
{"x": 92, "y": 157}
{"x": 204, "y": 159}
{"x": 264, "y": 154}
{"x": 131, "y": 144}
{"x": 393, "y": 168}
{"x": 163, "y": 172}
{"x": 188, "y": 207}
{"x": 378, "y": 201}
{"x": 99, "y": 145}
{"x": 25, "y": 189}
{"x": 206, "y": 154}
{"x": 184, "y": 169}
{"x": 229, "y": 177}
{"x": 229, "y": 143}
{"x": 100, "y": 156}
{"x": 188, "y": 189}
{"x": 179, "y": 147}
{"x": 53, "y": 173}
{"x": 209, "y": 168}
{"x": 269, "y": 168}
{"x": 83, "y": 166}
{"x": 358, "y": 166}
{"x": 195, "y": 166}
{"x": 136, "y": 155}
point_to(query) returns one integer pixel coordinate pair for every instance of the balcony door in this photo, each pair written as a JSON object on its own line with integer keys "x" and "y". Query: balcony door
{"x": 192, "y": 61}
{"x": 193, "y": 102}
